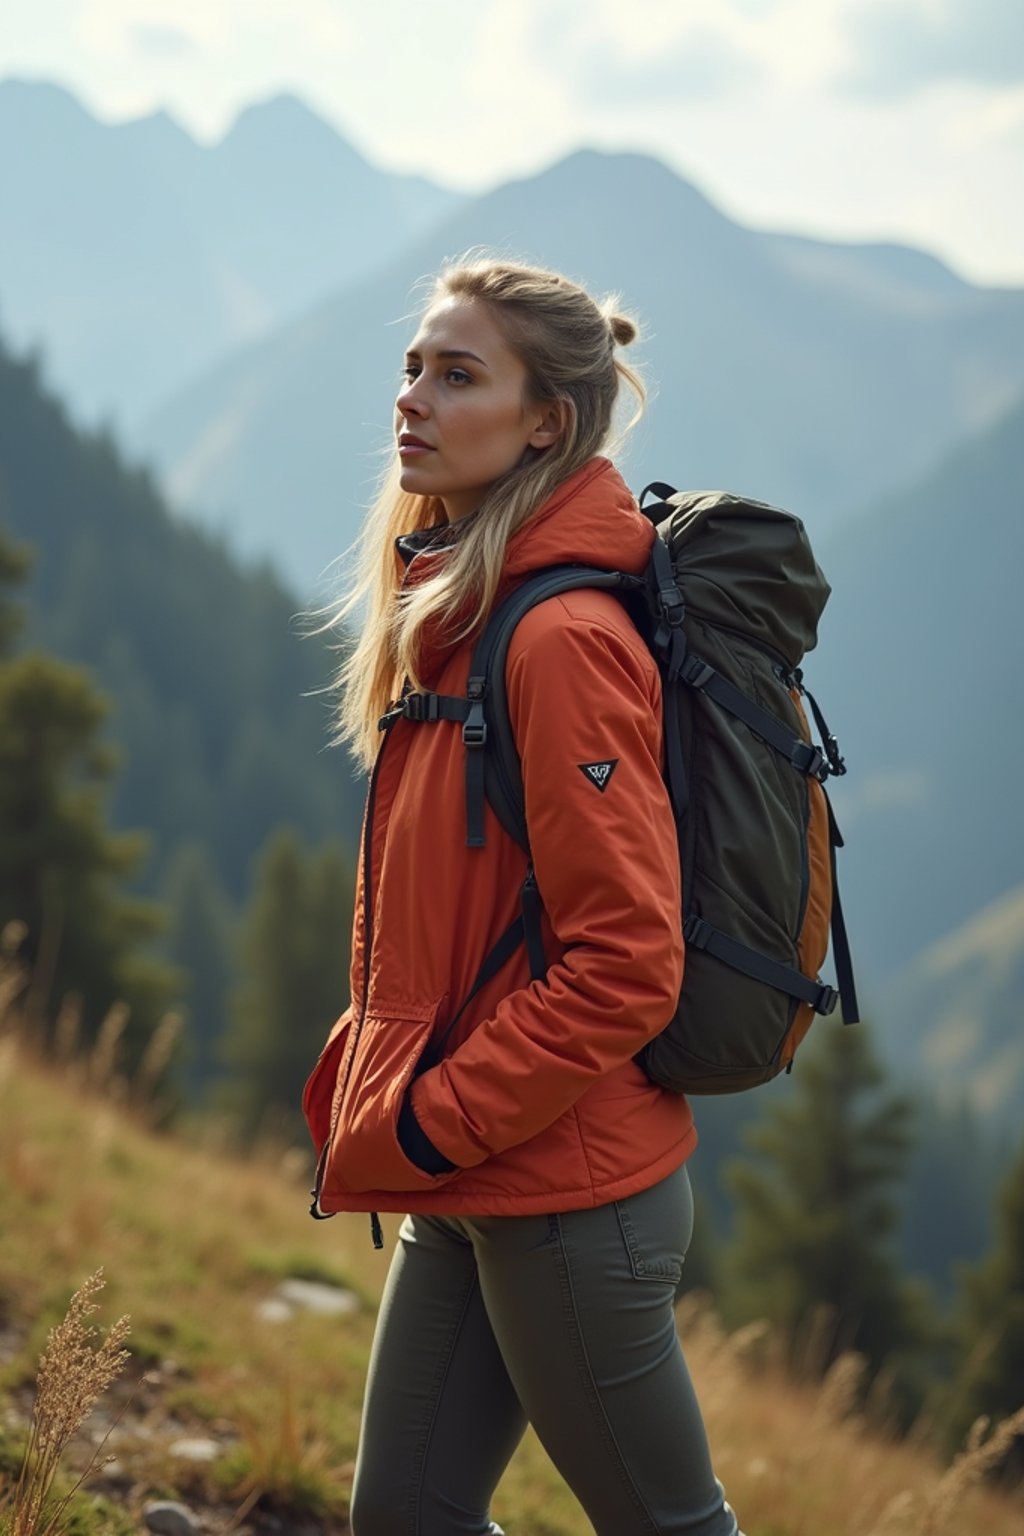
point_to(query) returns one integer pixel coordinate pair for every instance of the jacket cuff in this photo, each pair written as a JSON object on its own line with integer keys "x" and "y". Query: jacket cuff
{"x": 417, "y": 1145}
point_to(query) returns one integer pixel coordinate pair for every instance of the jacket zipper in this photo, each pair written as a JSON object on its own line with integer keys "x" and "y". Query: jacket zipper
{"x": 371, "y": 799}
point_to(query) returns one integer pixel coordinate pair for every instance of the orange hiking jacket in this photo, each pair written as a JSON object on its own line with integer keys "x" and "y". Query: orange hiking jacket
{"x": 537, "y": 1102}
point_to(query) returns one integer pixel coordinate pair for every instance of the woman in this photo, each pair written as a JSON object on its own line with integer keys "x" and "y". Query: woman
{"x": 543, "y": 1173}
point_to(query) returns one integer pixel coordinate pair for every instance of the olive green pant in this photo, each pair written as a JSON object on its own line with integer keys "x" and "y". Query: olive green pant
{"x": 563, "y": 1321}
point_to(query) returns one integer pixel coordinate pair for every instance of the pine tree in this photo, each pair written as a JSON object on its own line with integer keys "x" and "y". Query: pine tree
{"x": 61, "y": 868}
{"x": 990, "y": 1378}
{"x": 15, "y": 563}
{"x": 294, "y": 960}
{"x": 200, "y": 941}
{"x": 816, "y": 1212}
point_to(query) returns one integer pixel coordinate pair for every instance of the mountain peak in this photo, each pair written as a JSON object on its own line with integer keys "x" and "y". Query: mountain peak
{"x": 37, "y": 98}
{"x": 286, "y": 118}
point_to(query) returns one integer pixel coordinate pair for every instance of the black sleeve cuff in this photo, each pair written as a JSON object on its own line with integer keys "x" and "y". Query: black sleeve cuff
{"x": 417, "y": 1145}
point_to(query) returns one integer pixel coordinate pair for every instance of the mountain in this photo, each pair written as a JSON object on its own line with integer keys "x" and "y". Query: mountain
{"x": 814, "y": 375}
{"x": 960, "y": 1008}
{"x": 220, "y": 739}
{"x": 919, "y": 675}
{"x": 136, "y": 257}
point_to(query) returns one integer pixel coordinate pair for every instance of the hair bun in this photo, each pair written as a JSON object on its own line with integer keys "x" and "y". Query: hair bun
{"x": 623, "y": 330}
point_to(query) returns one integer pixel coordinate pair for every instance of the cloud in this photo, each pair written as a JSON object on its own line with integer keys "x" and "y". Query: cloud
{"x": 704, "y": 64}
{"x": 608, "y": 57}
{"x": 900, "y": 46}
{"x": 160, "y": 42}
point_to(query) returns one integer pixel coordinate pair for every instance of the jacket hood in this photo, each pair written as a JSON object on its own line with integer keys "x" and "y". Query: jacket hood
{"x": 592, "y": 518}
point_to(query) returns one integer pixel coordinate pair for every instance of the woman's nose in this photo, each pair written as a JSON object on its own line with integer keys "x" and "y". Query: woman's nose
{"x": 410, "y": 400}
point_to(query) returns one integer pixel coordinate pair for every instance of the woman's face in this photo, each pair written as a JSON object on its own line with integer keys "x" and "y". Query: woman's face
{"x": 462, "y": 419}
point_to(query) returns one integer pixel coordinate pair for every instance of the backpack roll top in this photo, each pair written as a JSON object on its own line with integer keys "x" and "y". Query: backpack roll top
{"x": 746, "y": 568}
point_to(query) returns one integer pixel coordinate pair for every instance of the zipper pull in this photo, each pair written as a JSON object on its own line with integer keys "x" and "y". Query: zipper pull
{"x": 314, "y": 1210}
{"x": 375, "y": 1230}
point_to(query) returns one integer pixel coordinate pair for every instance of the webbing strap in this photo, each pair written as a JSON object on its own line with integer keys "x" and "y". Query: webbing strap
{"x": 703, "y": 935}
{"x": 679, "y": 788}
{"x": 840, "y": 941}
{"x": 835, "y": 760}
{"x": 425, "y": 708}
{"x": 502, "y": 951}
{"x": 804, "y": 757}
{"x": 531, "y": 905}
{"x": 474, "y": 737}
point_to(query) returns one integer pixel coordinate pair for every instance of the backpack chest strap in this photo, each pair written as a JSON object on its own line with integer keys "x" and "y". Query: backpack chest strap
{"x": 426, "y": 709}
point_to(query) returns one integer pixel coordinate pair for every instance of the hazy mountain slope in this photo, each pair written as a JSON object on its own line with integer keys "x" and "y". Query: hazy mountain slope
{"x": 812, "y": 375}
{"x": 919, "y": 674}
{"x": 959, "y": 1008}
{"x": 139, "y": 256}
{"x": 208, "y": 681}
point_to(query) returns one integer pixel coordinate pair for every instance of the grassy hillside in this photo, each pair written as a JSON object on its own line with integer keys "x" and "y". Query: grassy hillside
{"x": 195, "y": 1241}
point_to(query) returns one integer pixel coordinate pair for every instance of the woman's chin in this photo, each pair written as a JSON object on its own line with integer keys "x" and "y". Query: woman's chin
{"x": 412, "y": 478}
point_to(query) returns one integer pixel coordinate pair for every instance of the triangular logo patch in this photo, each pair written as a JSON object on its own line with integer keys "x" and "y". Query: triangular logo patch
{"x": 599, "y": 774}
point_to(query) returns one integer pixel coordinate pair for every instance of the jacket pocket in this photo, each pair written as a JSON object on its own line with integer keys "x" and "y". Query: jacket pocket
{"x": 318, "y": 1094}
{"x": 364, "y": 1153}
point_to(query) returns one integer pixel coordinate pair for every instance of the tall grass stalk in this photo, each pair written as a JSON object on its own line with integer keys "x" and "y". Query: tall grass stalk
{"x": 74, "y": 1371}
{"x": 981, "y": 1454}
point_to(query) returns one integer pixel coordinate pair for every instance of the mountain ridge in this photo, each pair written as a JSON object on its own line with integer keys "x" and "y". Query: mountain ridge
{"x": 759, "y": 373}
{"x": 136, "y": 255}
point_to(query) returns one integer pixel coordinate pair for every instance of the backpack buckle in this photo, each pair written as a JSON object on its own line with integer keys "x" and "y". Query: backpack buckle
{"x": 696, "y": 672}
{"x": 697, "y": 931}
{"x": 420, "y": 706}
{"x": 826, "y": 1000}
{"x": 474, "y": 731}
{"x": 812, "y": 761}
{"x": 671, "y": 605}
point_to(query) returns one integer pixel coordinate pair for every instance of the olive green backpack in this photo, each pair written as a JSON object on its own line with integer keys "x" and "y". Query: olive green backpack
{"x": 728, "y": 605}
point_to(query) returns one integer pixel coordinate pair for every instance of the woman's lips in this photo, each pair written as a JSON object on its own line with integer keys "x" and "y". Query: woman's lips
{"x": 410, "y": 444}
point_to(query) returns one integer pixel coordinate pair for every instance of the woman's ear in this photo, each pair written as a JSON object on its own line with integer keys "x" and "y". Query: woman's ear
{"x": 551, "y": 418}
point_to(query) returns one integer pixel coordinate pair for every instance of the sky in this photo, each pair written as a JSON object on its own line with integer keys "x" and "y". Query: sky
{"x": 849, "y": 119}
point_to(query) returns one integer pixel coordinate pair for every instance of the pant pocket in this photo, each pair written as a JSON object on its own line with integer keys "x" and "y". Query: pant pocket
{"x": 656, "y": 1227}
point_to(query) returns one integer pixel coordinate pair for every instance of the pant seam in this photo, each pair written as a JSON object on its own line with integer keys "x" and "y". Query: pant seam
{"x": 586, "y": 1371}
{"x": 437, "y": 1391}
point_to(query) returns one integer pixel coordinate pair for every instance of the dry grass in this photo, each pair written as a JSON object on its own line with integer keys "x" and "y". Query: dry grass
{"x": 799, "y": 1461}
{"x": 194, "y": 1238}
{"x": 75, "y": 1369}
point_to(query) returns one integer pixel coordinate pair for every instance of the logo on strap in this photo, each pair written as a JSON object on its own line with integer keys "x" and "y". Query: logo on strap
{"x": 599, "y": 774}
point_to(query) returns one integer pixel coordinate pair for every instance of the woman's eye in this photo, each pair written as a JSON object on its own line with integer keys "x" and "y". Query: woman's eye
{"x": 459, "y": 376}
{"x": 410, "y": 372}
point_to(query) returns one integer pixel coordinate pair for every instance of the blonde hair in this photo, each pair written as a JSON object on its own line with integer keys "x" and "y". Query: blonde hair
{"x": 567, "y": 341}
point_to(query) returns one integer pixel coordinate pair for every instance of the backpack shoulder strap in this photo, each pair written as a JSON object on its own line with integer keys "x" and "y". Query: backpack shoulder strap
{"x": 492, "y": 759}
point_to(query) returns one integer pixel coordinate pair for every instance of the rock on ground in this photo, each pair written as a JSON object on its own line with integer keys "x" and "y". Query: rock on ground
{"x": 167, "y": 1519}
